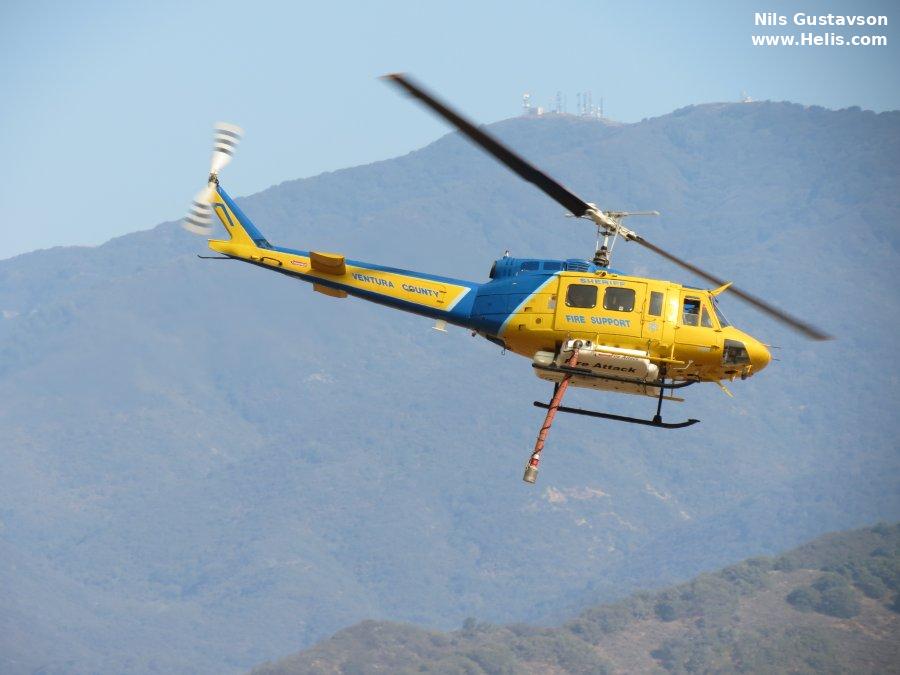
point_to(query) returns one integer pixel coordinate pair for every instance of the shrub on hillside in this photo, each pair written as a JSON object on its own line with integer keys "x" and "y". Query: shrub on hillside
{"x": 895, "y": 605}
{"x": 665, "y": 611}
{"x": 871, "y": 585}
{"x": 805, "y": 598}
{"x": 828, "y": 581}
{"x": 839, "y": 601}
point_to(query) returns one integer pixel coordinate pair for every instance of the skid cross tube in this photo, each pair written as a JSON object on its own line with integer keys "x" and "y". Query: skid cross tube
{"x": 559, "y": 390}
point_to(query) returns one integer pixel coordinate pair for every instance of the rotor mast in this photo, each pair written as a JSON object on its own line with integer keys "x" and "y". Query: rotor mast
{"x": 609, "y": 224}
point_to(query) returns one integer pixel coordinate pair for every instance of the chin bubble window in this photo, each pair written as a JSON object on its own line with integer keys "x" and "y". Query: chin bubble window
{"x": 619, "y": 299}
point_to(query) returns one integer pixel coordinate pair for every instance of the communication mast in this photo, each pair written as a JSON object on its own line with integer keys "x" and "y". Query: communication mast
{"x": 559, "y": 105}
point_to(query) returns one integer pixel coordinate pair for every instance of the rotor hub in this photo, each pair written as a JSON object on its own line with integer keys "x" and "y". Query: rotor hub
{"x": 609, "y": 227}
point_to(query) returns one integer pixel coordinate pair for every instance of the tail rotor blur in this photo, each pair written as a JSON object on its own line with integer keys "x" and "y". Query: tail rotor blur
{"x": 225, "y": 142}
{"x": 199, "y": 217}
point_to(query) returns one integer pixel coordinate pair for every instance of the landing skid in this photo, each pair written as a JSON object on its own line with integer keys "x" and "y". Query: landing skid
{"x": 621, "y": 418}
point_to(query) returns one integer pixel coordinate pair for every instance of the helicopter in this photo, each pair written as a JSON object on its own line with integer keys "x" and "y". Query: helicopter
{"x": 580, "y": 322}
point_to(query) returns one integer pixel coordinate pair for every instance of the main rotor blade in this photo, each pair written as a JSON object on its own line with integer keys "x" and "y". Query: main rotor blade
{"x": 575, "y": 204}
{"x": 793, "y": 322}
{"x": 555, "y": 190}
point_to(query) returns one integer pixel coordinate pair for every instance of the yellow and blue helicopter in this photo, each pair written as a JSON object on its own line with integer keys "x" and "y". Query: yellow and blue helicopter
{"x": 581, "y": 323}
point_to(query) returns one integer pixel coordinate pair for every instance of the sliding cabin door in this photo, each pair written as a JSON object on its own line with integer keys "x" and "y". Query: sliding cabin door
{"x": 609, "y": 311}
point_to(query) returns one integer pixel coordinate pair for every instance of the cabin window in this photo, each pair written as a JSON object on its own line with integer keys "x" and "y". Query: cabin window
{"x": 705, "y": 321}
{"x": 656, "y": 303}
{"x": 552, "y": 266}
{"x": 619, "y": 299}
{"x": 530, "y": 265}
{"x": 580, "y": 295}
{"x": 690, "y": 315}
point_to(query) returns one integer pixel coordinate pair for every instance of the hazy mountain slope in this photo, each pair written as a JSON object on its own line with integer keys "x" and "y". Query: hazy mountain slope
{"x": 761, "y": 616}
{"x": 206, "y": 465}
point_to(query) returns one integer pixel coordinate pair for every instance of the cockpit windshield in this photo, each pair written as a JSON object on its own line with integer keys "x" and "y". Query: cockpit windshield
{"x": 723, "y": 322}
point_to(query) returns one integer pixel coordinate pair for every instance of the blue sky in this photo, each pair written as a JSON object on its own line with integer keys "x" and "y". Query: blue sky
{"x": 108, "y": 106}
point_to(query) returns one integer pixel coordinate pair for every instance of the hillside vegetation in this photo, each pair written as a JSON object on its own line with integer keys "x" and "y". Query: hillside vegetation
{"x": 206, "y": 465}
{"x": 745, "y": 618}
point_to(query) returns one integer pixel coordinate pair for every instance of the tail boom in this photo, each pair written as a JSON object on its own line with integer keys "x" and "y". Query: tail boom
{"x": 436, "y": 297}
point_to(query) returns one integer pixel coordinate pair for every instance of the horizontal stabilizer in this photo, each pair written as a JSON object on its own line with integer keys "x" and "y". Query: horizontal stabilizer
{"x": 328, "y": 263}
{"x": 327, "y": 290}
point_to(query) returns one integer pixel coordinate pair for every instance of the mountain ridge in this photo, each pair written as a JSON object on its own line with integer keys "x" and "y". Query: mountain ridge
{"x": 207, "y": 466}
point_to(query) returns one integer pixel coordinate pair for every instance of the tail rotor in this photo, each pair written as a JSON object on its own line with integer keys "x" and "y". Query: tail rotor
{"x": 225, "y": 141}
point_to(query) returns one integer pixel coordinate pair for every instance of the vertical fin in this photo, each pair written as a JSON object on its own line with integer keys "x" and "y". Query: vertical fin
{"x": 240, "y": 228}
